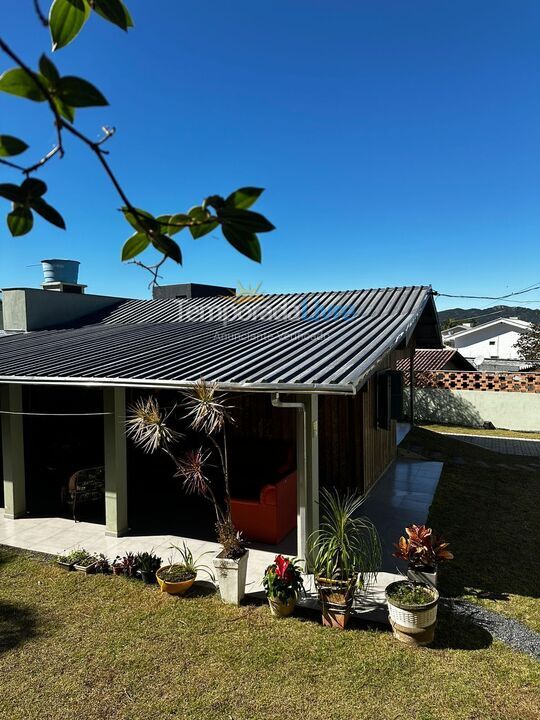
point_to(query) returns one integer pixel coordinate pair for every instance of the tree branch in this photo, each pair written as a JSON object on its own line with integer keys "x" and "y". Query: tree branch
{"x": 41, "y": 17}
{"x": 44, "y": 90}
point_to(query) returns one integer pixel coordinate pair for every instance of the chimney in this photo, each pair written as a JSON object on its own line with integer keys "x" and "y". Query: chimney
{"x": 190, "y": 290}
{"x": 62, "y": 276}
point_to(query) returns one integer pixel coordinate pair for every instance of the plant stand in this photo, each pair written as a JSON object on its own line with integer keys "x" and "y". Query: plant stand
{"x": 415, "y": 637}
{"x": 231, "y": 577}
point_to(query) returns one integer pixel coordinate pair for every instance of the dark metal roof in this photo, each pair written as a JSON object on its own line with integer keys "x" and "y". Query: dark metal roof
{"x": 436, "y": 360}
{"x": 328, "y": 342}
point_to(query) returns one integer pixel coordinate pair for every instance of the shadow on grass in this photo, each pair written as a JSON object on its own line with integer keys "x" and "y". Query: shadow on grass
{"x": 490, "y": 517}
{"x": 17, "y": 625}
{"x": 459, "y": 632}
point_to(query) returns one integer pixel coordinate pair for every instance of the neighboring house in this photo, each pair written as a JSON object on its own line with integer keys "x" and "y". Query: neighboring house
{"x": 333, "y": 354}
{"x": 491, "y": 345}
{"x": 444, "y": 359}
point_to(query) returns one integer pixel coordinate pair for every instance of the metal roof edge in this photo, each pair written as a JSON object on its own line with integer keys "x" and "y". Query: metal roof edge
{"x": 316, "y": 388}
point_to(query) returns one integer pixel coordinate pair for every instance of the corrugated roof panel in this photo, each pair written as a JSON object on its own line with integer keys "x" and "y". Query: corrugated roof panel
{"x": 326, "y": 341}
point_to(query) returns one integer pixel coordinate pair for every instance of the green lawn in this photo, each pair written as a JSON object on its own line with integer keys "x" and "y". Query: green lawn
{"x": 496, "y": 432}
{"x": 94, "y": 647}
{"x": 491, "y": 515}
{"x": 75, "y": 646}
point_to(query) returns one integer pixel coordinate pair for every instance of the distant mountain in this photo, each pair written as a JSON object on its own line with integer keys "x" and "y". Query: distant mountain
{"x": 491, "y": 313}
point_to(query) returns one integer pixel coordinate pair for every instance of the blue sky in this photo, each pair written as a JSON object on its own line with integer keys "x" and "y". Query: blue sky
{"x": 398, "y": 142}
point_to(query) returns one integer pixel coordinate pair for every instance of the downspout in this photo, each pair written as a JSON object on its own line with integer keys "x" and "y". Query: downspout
{"x": 302, "y": 471}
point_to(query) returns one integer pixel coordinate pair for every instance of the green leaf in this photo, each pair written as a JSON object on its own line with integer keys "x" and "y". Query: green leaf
{"x": 174, "y": 223}
{"x": 10, "y": 146}
{"x": 135, "y": 223}
{"x": 11, "y": 192}
{"x": 48, "y": 212}
{"x": 66, "y": 19}
{"x": 65, "y": 111}
{"x": 77, "y": 92}
{"x": 245, "y": 219}
{"x": 201, "y": 215}
{"x": 244, "y": 198}
{"x": 135, "y": 245}
{"x": 48, "y": 70}
{"x": 17, "y": 82}
{"x": 245, "y": 242}
{"x": 168, "y": 247}
{"x": 33, "y": 188}
{"x": 20, "y": 221}
{"x": 114, "y": 11}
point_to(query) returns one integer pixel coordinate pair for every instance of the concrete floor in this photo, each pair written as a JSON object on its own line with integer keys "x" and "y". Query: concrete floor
{"x": 401, "y": 497}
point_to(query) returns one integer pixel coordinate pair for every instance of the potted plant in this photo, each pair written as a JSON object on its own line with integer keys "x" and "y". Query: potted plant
{"x": 102, "y": 565}
{"x": 176, "y": 578}
{"x": 148, "y": 564}
{"x": 342, "y": 554}
{"x": 87, "y": 564}
{"x": 209, "y": 415}
{"x": 423, "y": 550}
{"x": 128, "y": 565}
{"x": 413, "y": 611}
{"x": 117, "y": 566}
{"x": 282, "y": 583}
{"x": 69, "y": 560}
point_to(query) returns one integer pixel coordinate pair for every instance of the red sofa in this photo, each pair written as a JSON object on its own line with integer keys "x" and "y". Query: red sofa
{"x": 270, "y": 518}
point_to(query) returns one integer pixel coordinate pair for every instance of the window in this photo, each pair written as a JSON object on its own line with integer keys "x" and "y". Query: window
{"x": 492, "y": 342}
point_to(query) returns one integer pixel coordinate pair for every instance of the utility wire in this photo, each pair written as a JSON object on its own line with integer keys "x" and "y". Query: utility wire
{"x": 490, "y": 297}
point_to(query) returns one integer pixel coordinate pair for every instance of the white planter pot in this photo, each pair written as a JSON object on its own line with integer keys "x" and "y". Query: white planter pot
{"x": 231, "y": 577}
{"x": 414, "y": 618}
{"x": 422, "y": 576}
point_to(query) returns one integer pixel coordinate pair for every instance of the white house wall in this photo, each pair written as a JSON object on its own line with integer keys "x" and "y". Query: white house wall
{"x": 478, "y": 343}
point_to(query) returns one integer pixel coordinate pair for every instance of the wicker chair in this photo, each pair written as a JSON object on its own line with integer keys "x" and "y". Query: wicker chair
{"x": 84, "y": 487}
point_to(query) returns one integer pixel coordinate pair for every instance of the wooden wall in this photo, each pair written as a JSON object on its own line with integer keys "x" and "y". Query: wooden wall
{"x": 256, "y": 417}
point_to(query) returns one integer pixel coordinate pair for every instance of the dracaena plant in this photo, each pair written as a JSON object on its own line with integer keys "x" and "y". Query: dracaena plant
{"x": 422, "y": 547}
{"x": 62, "y": 95}
{"x": 346, "y": 547}
{"x": 283, "y": 579}
{"x": 207, "y": 413}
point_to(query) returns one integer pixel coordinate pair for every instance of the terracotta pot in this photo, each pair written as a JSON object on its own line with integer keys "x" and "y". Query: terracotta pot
{"x": 335, "y": 614}
{"x": 280, "y": 609}
{"x": 173, "y": 588}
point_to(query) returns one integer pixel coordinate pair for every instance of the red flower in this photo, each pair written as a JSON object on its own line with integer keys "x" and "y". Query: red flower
{"x": 282, "y": 567}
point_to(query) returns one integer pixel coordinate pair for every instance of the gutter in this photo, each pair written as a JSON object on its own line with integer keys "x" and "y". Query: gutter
{"x": 179, "y": 385}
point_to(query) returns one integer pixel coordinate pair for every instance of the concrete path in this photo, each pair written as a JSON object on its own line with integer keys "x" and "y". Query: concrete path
{"x": 505, "y": 446}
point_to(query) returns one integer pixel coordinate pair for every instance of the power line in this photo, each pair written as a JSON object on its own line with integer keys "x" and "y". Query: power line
{"x": 491, "y": 297}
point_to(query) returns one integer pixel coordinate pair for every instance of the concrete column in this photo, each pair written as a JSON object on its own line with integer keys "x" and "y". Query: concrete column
{"x": 116, "y": 519}
{"x": 307, "y": 464}
{"x": 13, "y": 451}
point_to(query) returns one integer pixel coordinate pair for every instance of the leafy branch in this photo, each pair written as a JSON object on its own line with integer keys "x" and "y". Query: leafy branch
{"x": 64, "y": 95}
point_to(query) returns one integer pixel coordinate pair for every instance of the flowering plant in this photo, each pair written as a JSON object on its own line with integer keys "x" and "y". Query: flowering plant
{"x": 422, "y": 547}
{"x": 283, "y": 579}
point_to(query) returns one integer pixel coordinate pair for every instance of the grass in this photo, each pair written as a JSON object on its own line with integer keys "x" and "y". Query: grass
{"x": 496, "y": 432}
{"x": 102, "y": 647}
{"x": 491, "y": 517}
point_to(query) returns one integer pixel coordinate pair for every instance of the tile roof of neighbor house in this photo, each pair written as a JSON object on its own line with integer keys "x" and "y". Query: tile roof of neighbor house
{"x": 435, "y": 360}
{"x": 326, "y": 341}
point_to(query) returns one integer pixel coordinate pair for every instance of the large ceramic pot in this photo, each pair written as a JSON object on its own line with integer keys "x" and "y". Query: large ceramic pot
{"x": 278, "y": 608}
{"x": 231, "y": 577}
{"x": 173, "y": 588}
{"x": 413, "y": 624}
{"x": 336, "y": 601}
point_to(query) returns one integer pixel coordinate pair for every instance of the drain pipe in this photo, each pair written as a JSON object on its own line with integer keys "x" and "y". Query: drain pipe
{"x": 301, "y": 472}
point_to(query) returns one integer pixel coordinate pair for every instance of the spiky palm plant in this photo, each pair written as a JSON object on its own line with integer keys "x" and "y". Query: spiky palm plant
{"x": 346, "y": 547}
{"x": 147, "y": 425}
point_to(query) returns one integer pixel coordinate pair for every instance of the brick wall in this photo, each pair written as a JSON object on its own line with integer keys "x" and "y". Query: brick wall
{"x": 488, "y": 381}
